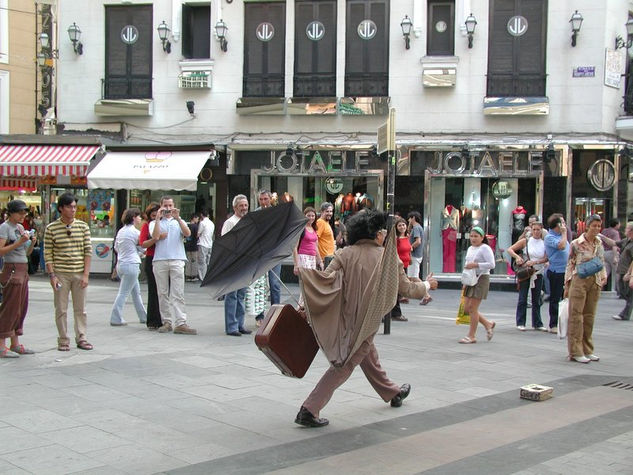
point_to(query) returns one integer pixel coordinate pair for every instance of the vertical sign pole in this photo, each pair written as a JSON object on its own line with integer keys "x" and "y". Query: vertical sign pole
{"x": 391, "y": 186}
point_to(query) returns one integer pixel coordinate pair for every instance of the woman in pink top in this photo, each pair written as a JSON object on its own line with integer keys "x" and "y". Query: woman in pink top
{"x": 305, "y": 254}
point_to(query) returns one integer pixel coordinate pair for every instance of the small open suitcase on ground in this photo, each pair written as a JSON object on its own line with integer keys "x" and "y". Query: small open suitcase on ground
{"x": 287, "y": 340}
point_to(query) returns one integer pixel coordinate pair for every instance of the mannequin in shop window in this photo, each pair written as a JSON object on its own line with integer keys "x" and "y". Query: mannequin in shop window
{"x": 450, "y": 225}
{"x": 519, "y": 218}
{"x": 338, "y": 204}
{"x": 349, "y": 204}
{"x": 366, "y": 201}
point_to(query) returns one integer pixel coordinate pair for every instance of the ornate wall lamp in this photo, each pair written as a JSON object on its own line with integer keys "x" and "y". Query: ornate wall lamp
{"x": 74, "y": 33}
{"x": 471, "y": 23}
{"x": 163, "y": 34}
{"x": 406, "y": 24}
{"x": 576, "y": 23}
{"x": 619, "y": 41}
{"x": 220, "y": 31}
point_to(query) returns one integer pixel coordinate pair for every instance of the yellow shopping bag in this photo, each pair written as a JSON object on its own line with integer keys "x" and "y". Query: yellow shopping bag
{"x": 462, "y": 317}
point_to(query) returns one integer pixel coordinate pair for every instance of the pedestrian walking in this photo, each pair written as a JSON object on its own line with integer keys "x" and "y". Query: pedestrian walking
{"x": 234, "y": 301}
{"x": 154, "y": 320}
{"x": 16, "y": 245}
{"x": 356, "y": 265}
{"x": 480, "y": 257}
{"x": 206, "y": 229}
{"x": 536, "y": 259}
{"x": 326, "y": 243}
{"x": 403, "y": 246}
{"x": 169, "y": 267}
{"x": 584, "y": 277}
{"x": 68, "y": 254}
{"x": 557, "y": 250}
{"x": 625, "y": 258}
{"x": 191, "y": 249}
{"x": 128, "y": 268}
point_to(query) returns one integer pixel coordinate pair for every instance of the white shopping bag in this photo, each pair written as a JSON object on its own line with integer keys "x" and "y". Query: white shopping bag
{"x": 563, "y": 317}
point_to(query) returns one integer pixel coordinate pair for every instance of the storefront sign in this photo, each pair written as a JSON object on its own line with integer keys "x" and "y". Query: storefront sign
{"x": 333, "y": 185}
{"x": 487, "y": 164}
{"x": 318, "y": 163}
{"x": 601, "y": 175}
{"x": 613, "y": 67}
{"x": 501, "y": 190}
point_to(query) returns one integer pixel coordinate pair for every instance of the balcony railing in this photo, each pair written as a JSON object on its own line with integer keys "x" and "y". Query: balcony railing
{"x": 126, "y": 87}
{"x": 366, "y": 85}
{"x": 511, "y": 85}
{"x": 315, "y": 85}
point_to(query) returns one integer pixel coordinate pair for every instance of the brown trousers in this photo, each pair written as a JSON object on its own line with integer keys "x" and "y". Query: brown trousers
{"x": 71, "y": 284}
{"x": 367, "y": 357}
{"x": 15, "y": 298}
{"x": 583, "y": 300}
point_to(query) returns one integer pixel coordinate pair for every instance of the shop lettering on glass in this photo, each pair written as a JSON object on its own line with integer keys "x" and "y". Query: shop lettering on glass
{"x": 487, "y": 163}
{"x": 317, "y": 162}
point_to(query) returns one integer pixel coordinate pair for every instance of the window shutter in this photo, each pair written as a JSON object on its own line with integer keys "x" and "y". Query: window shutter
{"x": 187, "y": 31}
{"x": 441, "y": 43}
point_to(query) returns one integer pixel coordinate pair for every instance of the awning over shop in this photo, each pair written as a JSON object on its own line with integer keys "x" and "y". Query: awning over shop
{"x": 162, "y": 170}
{"x": 40, "y": 160}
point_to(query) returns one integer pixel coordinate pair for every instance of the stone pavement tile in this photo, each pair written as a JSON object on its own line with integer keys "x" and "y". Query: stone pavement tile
{"x": 7, "y": 468}
{"x": 135, "y": 459}
{"x": 178, "y": 420}
{"x": 94, "y": 392}
{"x": 51, "y": 459}
{"x": 200, "y": 453}
{"x": 14, "y": 439}
{"x": 84, "y": 439}
{"x": 39, "y": 420}
{"x": 103, "y": 470}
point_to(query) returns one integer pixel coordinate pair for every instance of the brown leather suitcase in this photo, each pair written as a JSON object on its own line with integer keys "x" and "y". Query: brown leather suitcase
{"x": 287, "y": 340}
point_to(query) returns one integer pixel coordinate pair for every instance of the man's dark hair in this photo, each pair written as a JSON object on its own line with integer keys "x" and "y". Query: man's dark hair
{"x": 365, "y": 225}
{"x": 325, "y": 205}
{"x": 204, "y": 213}
{"x": 554, "y": 220}
{"x": 130, "y": 214}
{"x": 614, "y": 222}
{"x": 165, "y": 198}
{"x": 415, "y": 215}
{"x": 65, "y": 199}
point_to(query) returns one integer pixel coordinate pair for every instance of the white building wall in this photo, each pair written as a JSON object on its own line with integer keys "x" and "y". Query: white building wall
{"x": 583, "y": 105}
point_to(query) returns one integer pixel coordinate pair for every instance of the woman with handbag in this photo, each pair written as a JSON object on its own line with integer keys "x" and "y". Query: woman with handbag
{"x": 479, "y": 260}
{"x": 529, "y": 275}
{"x": 584, "y": 277}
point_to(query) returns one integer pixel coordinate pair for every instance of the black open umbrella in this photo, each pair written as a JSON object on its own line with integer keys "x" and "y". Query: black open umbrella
{"x": 257, "y": 243}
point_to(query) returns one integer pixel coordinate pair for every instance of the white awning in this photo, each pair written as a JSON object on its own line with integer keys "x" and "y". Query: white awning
{"x": 162, "y": 170}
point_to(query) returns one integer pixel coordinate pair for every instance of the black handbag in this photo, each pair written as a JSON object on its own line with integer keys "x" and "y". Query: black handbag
{"x": 523, "y": 272}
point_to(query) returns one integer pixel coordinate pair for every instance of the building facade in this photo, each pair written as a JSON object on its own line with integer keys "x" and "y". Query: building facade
{"x": 519, "y": 116}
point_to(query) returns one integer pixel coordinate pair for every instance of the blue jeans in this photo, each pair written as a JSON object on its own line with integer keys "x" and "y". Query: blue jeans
{"x": 524, "y": 287}
{"x": 234, "y": 311}
{"x": 129, "y": 283}
{"x": 275, "y": 284}
{"x": 557, "y": 286}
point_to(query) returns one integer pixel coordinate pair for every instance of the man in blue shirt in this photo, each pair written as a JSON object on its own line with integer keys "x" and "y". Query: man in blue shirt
{"x": 557, "y": 250}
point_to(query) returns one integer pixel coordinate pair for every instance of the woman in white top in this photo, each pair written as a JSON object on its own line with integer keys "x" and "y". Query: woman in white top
{"x": 128, "y": 251}
{"x": 481, "y": 258}
{"x": 533, "y": 256}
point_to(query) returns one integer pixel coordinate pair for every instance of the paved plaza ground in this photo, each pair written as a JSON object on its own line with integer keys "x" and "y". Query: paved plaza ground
{"x": 143, "y": 402}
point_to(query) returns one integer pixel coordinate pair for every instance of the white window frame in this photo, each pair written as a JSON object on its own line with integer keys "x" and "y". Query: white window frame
{"x": 4, "y": 31}
{"x": 4, "y": 102}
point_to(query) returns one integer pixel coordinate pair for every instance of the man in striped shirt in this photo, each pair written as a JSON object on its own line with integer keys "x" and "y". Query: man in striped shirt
{"x": 67, "y": 252}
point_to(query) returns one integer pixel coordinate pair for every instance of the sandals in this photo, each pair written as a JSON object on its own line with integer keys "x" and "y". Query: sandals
{"x": 426, "y": 300}
{"x": 467, "y": 341}
{"x": 7, "y": 353}
{"x": 84, "y": 345}
{"x": 21, "y": 350}
{"x": 491, "y": 331}
{"x": 63, "y": 347}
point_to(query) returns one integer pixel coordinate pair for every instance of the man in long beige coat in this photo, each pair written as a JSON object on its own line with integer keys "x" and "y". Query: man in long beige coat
{"x": 345, "y": 304}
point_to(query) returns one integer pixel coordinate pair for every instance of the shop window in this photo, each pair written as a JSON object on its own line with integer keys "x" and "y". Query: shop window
{"x": 315, "y": 48}
{"x": 196, "y": 37}
{"x": 128, "y": 52}
{"x": 516, "y": 48}
{"x": 4, "y": 102}
{"x": 440, "y": 39}
{"x": 367, "y": 48}
{"x": 4, "y": 31}
{"x": 264, "y": 49}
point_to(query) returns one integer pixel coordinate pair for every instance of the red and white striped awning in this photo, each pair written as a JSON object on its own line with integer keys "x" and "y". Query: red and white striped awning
{"x": 40, "y": 160}
{"x": 9, "y": 183}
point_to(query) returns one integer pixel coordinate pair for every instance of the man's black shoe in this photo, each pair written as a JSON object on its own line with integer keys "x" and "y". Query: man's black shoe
{"x": 234, "y": 334}
{"x": 405, "y": 389}
{"x": 306, "y": 419}
{"x": 244, "y": 331}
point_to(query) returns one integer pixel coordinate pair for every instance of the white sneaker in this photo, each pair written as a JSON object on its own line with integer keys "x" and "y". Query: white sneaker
{"x": 580, "y": 359}
{"x": 541, "y": 329}
{"x": 617, "y": 317}
{"x": 521, "y": 328}
{"x": 553, "y": 330}
{"x": 593, "y": 357}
